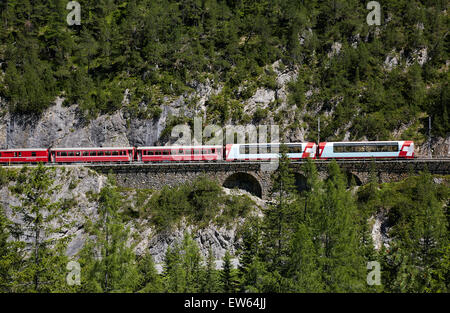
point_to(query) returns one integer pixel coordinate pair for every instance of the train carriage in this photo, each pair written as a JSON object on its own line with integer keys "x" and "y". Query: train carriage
{"x": 268, "y": 151}
{"x": 23, "y": 155}
{"x": 179, "y": 153}
{"x": 88, "y": 155}
{"x": 368, "y": 149}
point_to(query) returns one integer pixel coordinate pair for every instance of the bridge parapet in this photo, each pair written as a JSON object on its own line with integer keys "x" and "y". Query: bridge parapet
{"x": 155, "y": 176}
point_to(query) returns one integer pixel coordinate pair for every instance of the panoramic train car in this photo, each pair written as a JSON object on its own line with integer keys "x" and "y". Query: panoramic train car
{"x": 268, "y": 151}
{"x": 369, "y": 149}
{"x": 179, "y": 153}
{"x": 23, "y": 155}
{"x": 73, "y": 155}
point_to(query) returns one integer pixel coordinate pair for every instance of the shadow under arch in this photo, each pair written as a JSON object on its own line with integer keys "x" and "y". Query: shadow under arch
{"x": 352, "y": 180}
{"x": 301, "y": 182}
{"x": 244, "y": 181}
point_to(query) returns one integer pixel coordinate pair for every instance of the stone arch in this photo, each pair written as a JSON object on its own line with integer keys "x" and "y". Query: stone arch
{"x": 244, "y": 181}
{"x": 350, "y": 176}
{"x": 300, "y": 182}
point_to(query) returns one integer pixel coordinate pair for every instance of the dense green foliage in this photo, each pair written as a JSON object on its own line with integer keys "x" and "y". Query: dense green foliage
{"x": 316, "y": 240}
{"x": 200, "y": 202}
{"x": 34, "y": 261}
{"x": 159, "y": 48}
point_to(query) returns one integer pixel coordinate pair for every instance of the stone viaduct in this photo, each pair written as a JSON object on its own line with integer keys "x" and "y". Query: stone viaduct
{"x": 255, "y": 177}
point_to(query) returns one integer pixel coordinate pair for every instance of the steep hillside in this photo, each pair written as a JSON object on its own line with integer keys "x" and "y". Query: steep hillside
{"x": 135, "y": 68}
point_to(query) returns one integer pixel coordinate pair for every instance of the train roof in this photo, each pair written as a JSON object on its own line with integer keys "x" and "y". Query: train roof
{"x": 273, "y": 143}
{"x": 178, "y": 147}
{"x": 27, "y": 149}
{"x": 89, "y": 149}
{"x": 365, "y": 142}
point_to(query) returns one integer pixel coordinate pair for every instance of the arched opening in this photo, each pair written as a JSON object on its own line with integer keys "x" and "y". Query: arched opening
{"x": 245, "y": 182}
{"x": 301, "y": 182}
{"x": 352, "y": 180}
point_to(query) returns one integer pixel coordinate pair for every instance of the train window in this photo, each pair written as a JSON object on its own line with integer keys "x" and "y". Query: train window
{"x": 371, "y": 148}
{"x": 108, "y": 153}
{"x": 64, "y": 154}
{"x": 149, "y": 152}
{"x": 93, "y": 153}
{"x": 100, "y": 153}
{"x": 33, "y": 154}
{"x": 213, "y": 151}
{"x": 157, "y": 152}
{"x": 205, "y": 151}
{"x": 295, "y": 149}
{"x": 71, "y": 154}
{"x": 165, "y": 152}
{"x": 78, "y": 153}
{"x": 115, "y": 153}
{"x": 392, "y": 148}
{"x": 85, "y": 153}
{"x": 196, "y": 151}
{"x": 181, "y": 151}
{"x": 244, "y": 150}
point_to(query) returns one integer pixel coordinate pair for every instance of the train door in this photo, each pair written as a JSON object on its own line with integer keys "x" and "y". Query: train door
{"x": 130, "y": 155}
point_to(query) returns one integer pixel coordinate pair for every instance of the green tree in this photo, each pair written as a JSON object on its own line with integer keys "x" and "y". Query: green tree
{"x": 421, "y": 237}
{"x": 191, "y": 263}
{"x": 109, "y": 263}
{"x": 281, "y": 218}
{"x": 150, "y": 279}
{"x": 228, "y": 276}
{"x": 11, "y": 256}
{"x": 174, "y": 275}
{"x": 210, "y": 278}
{"x": 304, "y": 265}
{"x": 342, "y": 257}
{"x": 43, "y": 270}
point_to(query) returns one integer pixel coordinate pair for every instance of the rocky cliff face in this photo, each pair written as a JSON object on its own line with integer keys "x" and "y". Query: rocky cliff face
{"x": 62, "y": 126}
{"x": 79, "y": 184}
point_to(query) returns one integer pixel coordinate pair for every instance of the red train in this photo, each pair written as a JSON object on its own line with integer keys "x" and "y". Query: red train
{"x": 231, "y": 152}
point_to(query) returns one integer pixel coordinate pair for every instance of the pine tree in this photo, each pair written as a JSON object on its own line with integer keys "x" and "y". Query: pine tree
{"x": 342, "y": 260}
{"x": 228, "y": 277}
{"x": 313, "y": 195}
{"x": 174, "y": 275}
{"x": 421, "y": 237}
{"x": 11, "y": 256}
{"x": 280, "y": 219}
{"x": 150, "y": 279}
{"x": 191, "y": 262}
{"x": 304, "y": 265}
{"x": 109, "y": 264}
{"x": 210, "y": 279}
{"x": 43, "y": 270}
{"x": 251, "y": 246}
